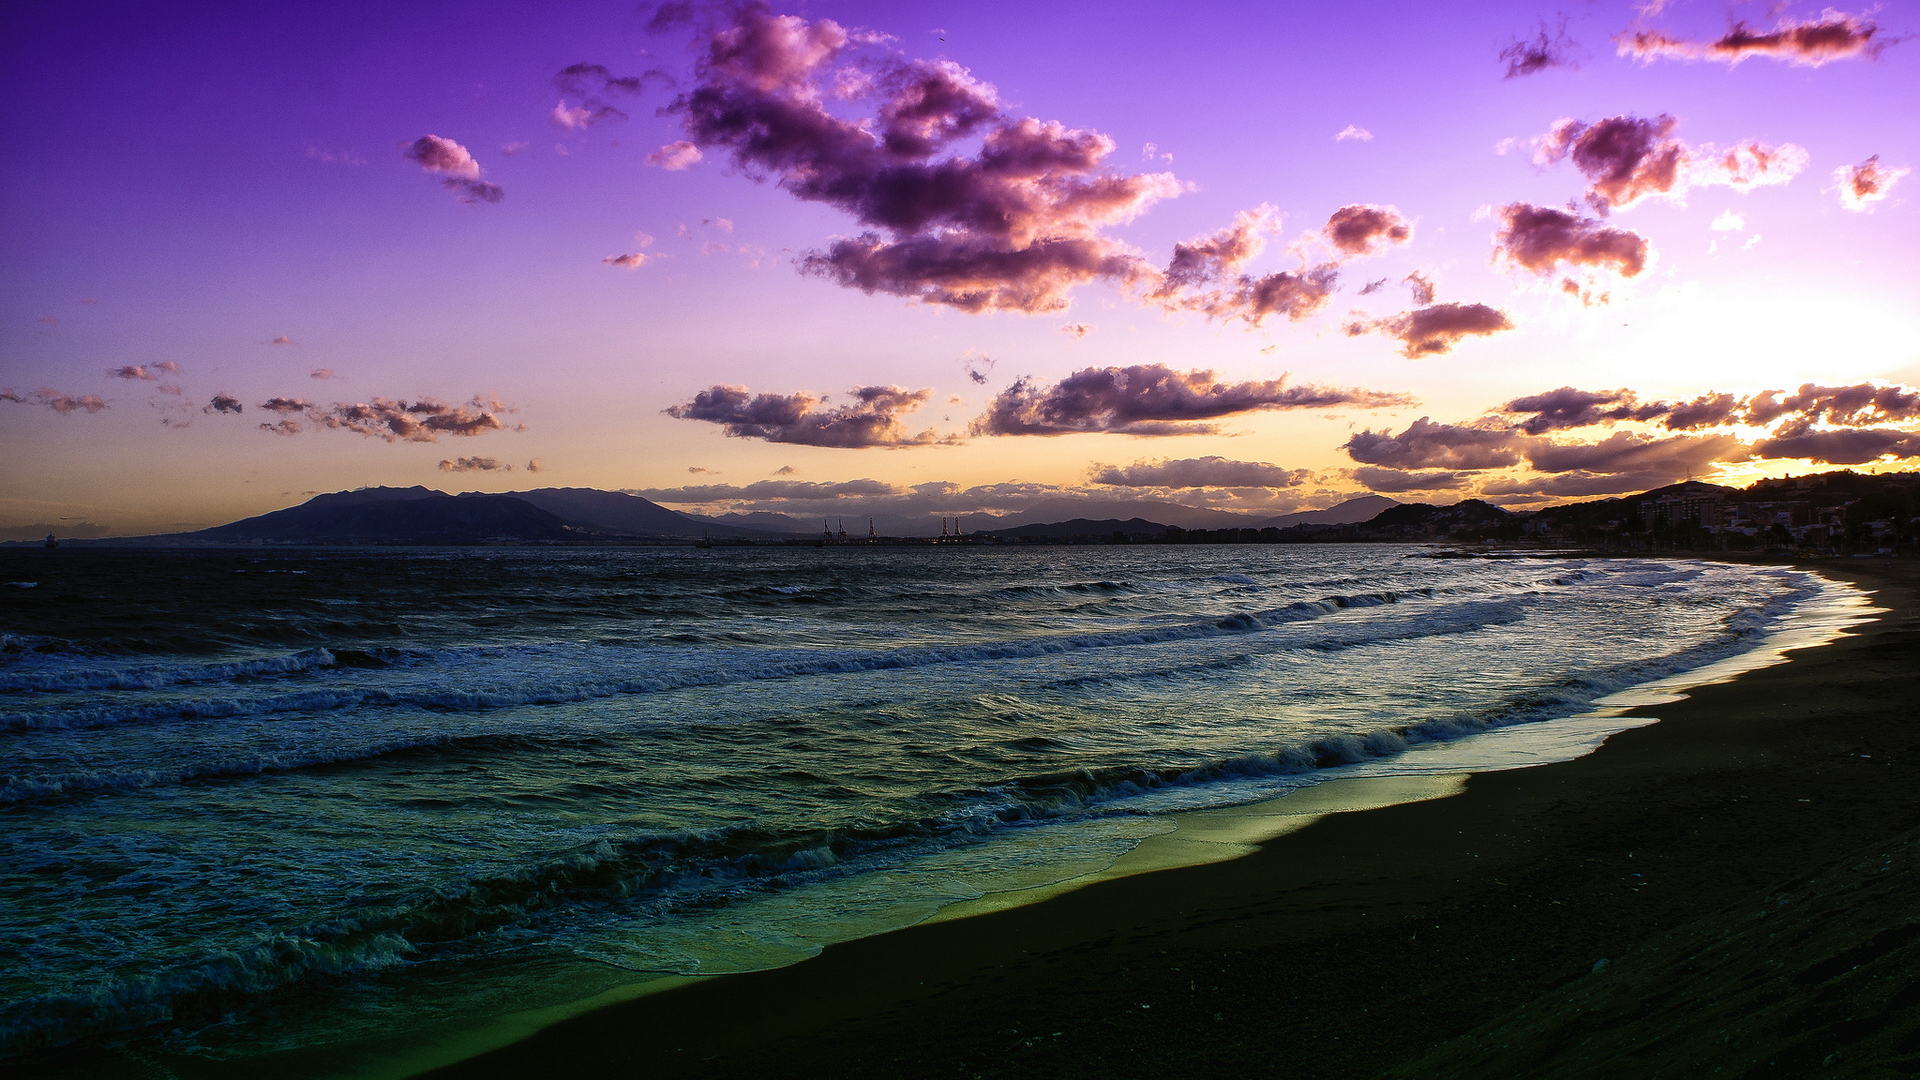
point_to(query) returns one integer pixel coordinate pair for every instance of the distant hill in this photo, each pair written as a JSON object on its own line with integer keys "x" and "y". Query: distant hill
{"x": 1081, "y": 527}
{"x": 619, "y": 512}
{"x": 1351, "y": 512}
{"x": 415, "y": 515}
{"x": 1165, "y": 513}
{"x": 1415, "y": 519}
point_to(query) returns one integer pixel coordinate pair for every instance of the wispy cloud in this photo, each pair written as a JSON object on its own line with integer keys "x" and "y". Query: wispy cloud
{"x": 871, "y": 419}
{"x": 1201, "y": 472}
{"x": 1549, "y": 47}
{"x": 1628, "y": 158}
{"x": 1153, "y": 399}
{"x": 457, "y": 169}
{"x": 1869, "y": 182}
{"x": 55, "y": 400}
{"x": 474, "y": 464}
{"x": 1833, "y": 36}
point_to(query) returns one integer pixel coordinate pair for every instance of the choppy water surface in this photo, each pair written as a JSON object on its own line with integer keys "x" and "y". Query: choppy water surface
{"x": 269, "y": 799}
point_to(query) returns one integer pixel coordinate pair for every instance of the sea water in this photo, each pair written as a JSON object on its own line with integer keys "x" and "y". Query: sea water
{"x": 262, "y": 800}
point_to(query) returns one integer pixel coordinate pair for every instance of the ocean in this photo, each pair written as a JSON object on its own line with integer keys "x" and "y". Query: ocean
{"x": 340, "y": 801}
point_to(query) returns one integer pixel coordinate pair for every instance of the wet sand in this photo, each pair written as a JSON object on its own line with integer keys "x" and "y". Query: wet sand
{"x": 1451, "y": 937}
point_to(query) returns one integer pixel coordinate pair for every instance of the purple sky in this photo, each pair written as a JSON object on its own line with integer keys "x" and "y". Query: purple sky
{"x": 969, "y": 256}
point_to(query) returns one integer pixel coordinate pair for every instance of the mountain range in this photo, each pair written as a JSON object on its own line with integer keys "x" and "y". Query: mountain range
{"x": 422, "y": 515}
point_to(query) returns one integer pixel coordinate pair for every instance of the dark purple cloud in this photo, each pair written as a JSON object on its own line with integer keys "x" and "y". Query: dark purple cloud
{"x": 1855, "y": 406}
{"x": 1674, "y": 457}
{"x": 133, "y": 371}
{"x": 1205, "y": 275}
{"x": 55, "y": 400}
{"x": 1854, "y": 446}
{"x": 1376, "y": 478}
{"x": 1867, "y": 183}
{"x": 1153, "y": 399}
{"x": 1364, "y": 229}
{"x": 596, "y": 87}
{"x": 1541, "y": 239}
{"x": 1629, "y": 158}
{"x": 1833, "y": 36}
{"x": 1427, "y": 445}
{"x": 223, "y": 403}
{"x": 770, "y": 490}
{"x": 458, "y": 171}
{"x": 1199, "y": 473}
{"x": 423, "y": 420}
{"x": 1571, "y": 408}
{"x": 871, "y": 419}
{"x": 1013, "y": 224}
{"x": 475, "y": 464}
{"x": 1549, "y": 47}
{"x": 1435, "y": 330}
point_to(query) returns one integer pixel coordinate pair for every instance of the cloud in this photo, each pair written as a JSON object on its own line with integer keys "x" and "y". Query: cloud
{"x": 1374, "y": 478}
{"x": 1434, "y": 330}
{"x": 1627, "y": 159}
{"x": 1365, "y": 229}
{"x": 536, "y": 465}
{"x": 1011, "y": 222}
{"x": 1728, "y": 221}
{"x": 1856, "y": 446}
{"x": 475, "y": 464}
{"x": 281, "y": 340}
{"x": 631, "y": 261}
{"x": 1541, "y": 239}
{"x": 1353, "y": 132}
{"x": 1421, "y": 285}
{"x": 322, "y": 373}
{"x": 871, "y": 419}
{"x": 676, "y": 156}
{"x": 771, "y": 491}
{"x": 458, "y": 171}
{"x": 135, "y": 372}
{"x": 1834, "y": 36}
{"x": 1549, "y": 47}
{"x": 1205, "y": 275}
{"x": 1077, "y": 330}
{"x": 1661, "y": 460}
{"x": 423, "y": 420}
{"x": 55, "y": 400}
{"x": 1570, "y": 408}
{"x": 1153, "y": 399}
{"x": 1427, "y": 445}
{"x": 596, "y": 87}
{"x": 1858, "y": 405}
{"x": 1867, "y": 183}
{"x": 223, "y": 403}
{"x": 1198, "y": 473}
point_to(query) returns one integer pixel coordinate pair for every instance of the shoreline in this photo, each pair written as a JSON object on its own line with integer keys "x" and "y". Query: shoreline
{"x": 887, "y": 1004}
{"x": 1311, "y": 924}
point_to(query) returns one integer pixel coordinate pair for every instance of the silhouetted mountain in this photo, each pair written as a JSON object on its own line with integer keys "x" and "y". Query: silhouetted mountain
{"x": 619, "y": 512}
{"x": 400, "y": 516}
{"x": 1417, "y": 519}
{"x": 761, "y": 520}
{"x": 1081, "y": 527}
{"x": 1187, "y": 517}
{"x": 1351, "y": 512}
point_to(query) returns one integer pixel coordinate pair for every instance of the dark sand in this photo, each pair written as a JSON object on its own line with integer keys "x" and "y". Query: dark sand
{"x": 1748, "y": 867}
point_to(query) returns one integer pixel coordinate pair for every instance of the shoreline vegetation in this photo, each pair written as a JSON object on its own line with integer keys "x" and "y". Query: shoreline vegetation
{"x": 1728, "y": 890}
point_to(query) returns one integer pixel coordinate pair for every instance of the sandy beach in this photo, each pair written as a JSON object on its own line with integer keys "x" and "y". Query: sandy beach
{"x": 1740, "y": 867}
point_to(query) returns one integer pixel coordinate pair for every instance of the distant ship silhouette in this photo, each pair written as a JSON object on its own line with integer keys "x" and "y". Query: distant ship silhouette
{"x": 51, "y": 542}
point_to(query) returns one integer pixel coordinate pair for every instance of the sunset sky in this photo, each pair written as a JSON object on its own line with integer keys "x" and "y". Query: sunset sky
{"x": 956, "y": 258}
